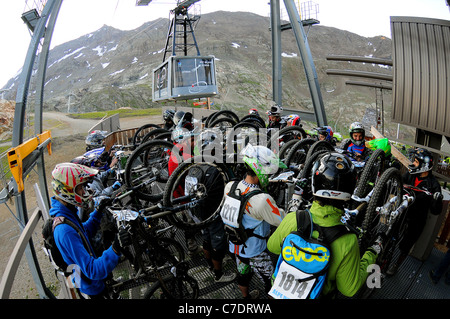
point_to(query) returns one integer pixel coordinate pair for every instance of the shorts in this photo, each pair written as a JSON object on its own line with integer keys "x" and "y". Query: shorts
{"x": 215, "y": 235}
{"x": 261, "y": 263}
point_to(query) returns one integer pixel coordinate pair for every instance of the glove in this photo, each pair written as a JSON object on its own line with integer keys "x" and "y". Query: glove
{"x": 437, "y": 196}
{"x": 100, "y": 202}
{"x": 377, "y": 246}
{"x": 116, "y": 185}
{"x": 122, "y": 239}
{"x": 300, "y": 186}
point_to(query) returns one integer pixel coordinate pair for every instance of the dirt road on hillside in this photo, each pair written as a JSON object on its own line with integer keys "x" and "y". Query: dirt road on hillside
{"x": 62, "y": 125}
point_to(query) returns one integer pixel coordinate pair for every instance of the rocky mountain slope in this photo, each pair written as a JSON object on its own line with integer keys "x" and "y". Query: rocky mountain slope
{"x": 111, "y": 68}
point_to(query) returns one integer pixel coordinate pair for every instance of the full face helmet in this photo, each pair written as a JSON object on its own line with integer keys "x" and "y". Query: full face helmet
{"x": 69, "y": 183}
{"x": 325, "y": 131}
{"x": 262, "y": 161}
{"x": 183, "y": 120}
{"x": 253, "y": 111}
{"x": 293, "y": 119}
{"x": 275, "y": 110}
{"x": 425, "y": 159}
{"x": 168, "y": 115}
{"x": 357, "y": 127}
{"x": 95, "y": 139}
{"x": 333, "y": 177}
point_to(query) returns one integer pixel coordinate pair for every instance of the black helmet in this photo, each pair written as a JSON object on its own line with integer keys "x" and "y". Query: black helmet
{"x": 425, "y": 159}
{"x": 168, "y": 115}
{"x": 183, "y": 120}
{"x": 333, "y": 177}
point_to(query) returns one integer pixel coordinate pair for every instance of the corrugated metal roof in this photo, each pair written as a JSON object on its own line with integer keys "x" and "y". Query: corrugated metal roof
{"x": 421, "y": 86}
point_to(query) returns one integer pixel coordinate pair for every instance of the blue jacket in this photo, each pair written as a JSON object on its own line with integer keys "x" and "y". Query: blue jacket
{"x": 356, "y": 149}
{"x": 70, "y": 244}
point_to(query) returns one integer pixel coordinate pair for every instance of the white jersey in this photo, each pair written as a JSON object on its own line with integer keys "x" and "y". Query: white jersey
{"x": 261, "y": 211}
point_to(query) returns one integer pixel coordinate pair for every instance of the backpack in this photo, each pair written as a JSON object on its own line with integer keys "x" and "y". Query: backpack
{"x": 302, "y": 266}
{"x": 50, "y": 245}
{"x": 232, "y": 212}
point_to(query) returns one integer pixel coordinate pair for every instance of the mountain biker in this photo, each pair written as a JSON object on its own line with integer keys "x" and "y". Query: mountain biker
{"x": 274, "y": 114}
{"x": 168, "y": 119}
{"x": 325, "y": 133}
{"x": 419, "y": 175}
{"x": 183, "y": 136}
{"x": 69, "y": 183}
{"x": 260, "y": 213}
{"x": 333, "y": 182}
{"x": 357, "y": 147}
{"x": 95, "y": 139}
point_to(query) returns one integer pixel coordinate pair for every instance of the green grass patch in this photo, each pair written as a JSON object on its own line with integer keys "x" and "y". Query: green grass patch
{"x": 122, "y": 112}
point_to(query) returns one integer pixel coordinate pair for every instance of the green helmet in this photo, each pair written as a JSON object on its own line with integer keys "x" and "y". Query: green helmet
{"x": 262, "y": 161}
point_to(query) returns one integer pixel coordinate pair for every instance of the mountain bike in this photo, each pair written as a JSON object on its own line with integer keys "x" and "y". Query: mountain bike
{"x": 149, "y": 162}
{"x": 156, "y": 261}
{"x": 197, "y": 183}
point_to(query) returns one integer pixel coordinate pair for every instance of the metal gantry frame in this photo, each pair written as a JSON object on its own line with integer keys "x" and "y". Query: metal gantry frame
{"x": 305, "y": 54}
{"x": 34, "y": 158}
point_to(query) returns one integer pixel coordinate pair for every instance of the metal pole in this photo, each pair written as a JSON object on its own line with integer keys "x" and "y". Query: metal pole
{"x": 276, "y": 51}
{"x": 40, "y": 81}
{"x": 308, "y": 63}
{"x": 19, "y": 120}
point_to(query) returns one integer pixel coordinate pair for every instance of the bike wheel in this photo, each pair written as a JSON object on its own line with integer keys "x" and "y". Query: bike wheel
{"x": 242, "y": 134}
{"x": 306, "y": 170}
{"x": 390, "y": 245}
{"x": 203, "y": 195}
{"x": 224, "y": 113}
{"x": 298, "y": 152}
{"x": 319, "y": 146}
{"x": 388, "y": 188}
{"x": 152, "y": 135}
{"x": 286, "y": 149}
{"x": 372, "y": 171}
{"x": 149, "y": 162}
{"x": 285, "y": 135}
{"x": 223, "y": 124}
{"x": 172, "y": 287}
{"x": 255, "y": 119}
{"x": 140, "y": 133}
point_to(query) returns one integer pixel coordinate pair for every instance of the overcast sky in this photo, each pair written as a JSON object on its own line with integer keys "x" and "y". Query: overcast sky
{"x": 80, "y": 17}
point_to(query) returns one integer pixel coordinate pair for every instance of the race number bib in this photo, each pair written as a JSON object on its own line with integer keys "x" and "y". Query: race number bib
{"x": 189, "y": 182}
{"x": 230, "y": 211}
{"x": 287, "y": 286}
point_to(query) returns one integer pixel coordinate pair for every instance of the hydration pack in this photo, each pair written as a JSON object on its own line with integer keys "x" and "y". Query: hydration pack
{"x": 302, "y": 266}
{"x": 232, "y": 212}
{"x": 50, "y": 245}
